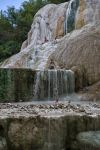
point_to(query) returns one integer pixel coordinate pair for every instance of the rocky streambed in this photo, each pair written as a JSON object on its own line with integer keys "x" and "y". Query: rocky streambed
{"x": 47, "y": 126}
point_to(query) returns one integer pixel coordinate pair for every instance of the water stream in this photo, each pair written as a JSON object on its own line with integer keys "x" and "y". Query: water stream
{"x": 51, "y": 84}
{"x": 70, "y": 15}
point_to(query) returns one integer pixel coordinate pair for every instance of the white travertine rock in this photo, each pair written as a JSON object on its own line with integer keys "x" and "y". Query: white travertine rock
{"x": 41, "y": 38}
{"x": 47, "y": 35}
{"x": 45, "y": 23}
{"x": 88, "y": 12}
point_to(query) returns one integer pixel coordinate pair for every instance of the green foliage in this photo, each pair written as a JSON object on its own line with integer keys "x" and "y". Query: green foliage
{"x": 58, "y": 1}
{"x": 15, "y": 24}
{"x": 8, "y": 49}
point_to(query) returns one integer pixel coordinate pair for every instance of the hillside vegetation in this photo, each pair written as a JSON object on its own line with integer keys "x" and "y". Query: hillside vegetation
{"x": 15, "y": 24}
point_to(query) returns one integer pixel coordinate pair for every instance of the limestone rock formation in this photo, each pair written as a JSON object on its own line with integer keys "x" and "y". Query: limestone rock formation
{"x": 80, "y": 51}
{"x": 49, "y": 40}
{"x": 47, "y": 126}
{"x": 41, "y": 38}
{"x": 88, "y": 12}
{"x": 21, "y": 85}
{"x": 3, "y": 144}
{"x": 89, "y": 140}
{"x": 91, "y": 92}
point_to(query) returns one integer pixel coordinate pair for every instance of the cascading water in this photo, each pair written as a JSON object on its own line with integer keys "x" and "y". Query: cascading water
{"x": 70, "y": 15}
{"x": 53, "y": 84}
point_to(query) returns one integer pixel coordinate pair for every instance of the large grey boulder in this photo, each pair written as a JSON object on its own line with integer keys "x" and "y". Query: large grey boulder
{"x": 89, "y": 140}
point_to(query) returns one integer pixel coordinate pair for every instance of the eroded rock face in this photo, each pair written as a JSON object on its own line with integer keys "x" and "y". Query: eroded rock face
{"x": 3, "y": 144}
{"x": 46, "y": 24}
{"x": 88, "y": 12}
{"x": 49, "y": 126}
{"x": 27, "y": 135}
{"x": 91, "y": 93}
{"x": 78, "y": 50}
{"x": 19, "y": 85}
{"x": 41, "y": 38}
{"x": 90, "y": 139}
{"x": 16, "y": 85}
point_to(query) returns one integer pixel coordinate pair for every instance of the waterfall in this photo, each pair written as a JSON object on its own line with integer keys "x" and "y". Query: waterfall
{"x": 51, "y": 84}
{"x": 70, "y": 16}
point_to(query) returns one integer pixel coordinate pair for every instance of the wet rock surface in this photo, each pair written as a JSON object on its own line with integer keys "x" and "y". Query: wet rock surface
{"x": 49, "y": 40}
{"x": 90, "y": 139}
{"x": 79, "y": 51}
{"x": 55, "y": 125}
{"x": 3, "y": 144}
{"x": 48, "y": 108}
{"x": 91, "y": 93}
{"x": 16, "y": 84}
{"x": 48, "y": 125}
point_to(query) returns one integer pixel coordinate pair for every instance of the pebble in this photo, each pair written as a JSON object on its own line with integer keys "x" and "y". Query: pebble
{"x": 35, "y": 109}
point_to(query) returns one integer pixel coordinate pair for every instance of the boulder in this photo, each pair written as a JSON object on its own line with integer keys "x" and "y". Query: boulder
{"x": 89, "y": 140}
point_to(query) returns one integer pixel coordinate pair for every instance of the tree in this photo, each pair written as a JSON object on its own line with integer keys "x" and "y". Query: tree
{"x": 15, "y": 24}
{"x": 57, "y": 1}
